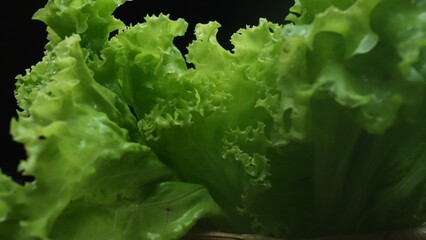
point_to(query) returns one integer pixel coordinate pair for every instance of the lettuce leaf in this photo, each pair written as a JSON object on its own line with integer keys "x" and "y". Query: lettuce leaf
{"x": 89, "y": 162}
{"x": 307, "y": 128}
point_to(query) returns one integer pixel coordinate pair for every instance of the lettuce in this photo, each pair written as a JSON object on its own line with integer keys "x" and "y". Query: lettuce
{"x": 308, "y": 128}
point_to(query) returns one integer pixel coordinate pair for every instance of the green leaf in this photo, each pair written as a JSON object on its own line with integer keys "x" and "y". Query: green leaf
{"x": 73, "y": 130}
{"x": 91, "y": 19}
{"x": 170, "y": 211}
{"x": 307, "y": 129}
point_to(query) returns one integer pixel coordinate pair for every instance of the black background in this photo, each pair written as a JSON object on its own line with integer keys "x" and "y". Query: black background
{"x": 23, "y": 40}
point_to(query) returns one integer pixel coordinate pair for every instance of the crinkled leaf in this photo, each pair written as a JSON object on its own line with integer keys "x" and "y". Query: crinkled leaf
{"x": 91, "y": 19}
{"x": 306, "y": 129}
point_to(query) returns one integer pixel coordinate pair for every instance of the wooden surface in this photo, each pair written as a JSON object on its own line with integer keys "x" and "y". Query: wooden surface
{"x": 408, "y": 234}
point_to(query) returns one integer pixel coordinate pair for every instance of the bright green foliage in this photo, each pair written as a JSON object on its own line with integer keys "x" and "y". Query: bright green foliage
{"x": 306, "y": 128}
